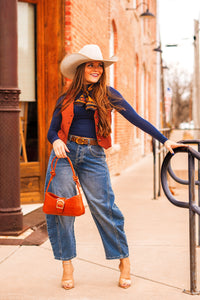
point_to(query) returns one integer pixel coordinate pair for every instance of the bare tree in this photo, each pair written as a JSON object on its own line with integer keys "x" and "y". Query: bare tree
{"x": 180, "y": 81}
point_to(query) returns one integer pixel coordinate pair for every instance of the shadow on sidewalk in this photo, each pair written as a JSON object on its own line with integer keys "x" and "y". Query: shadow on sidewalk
{"x": 35, "y": 232}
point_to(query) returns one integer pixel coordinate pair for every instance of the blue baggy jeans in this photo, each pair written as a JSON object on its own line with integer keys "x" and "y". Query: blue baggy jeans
{"x": 90, "y": 165}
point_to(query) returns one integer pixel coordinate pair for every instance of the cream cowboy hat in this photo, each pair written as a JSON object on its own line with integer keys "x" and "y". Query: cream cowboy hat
{"x": 87, "y": 53}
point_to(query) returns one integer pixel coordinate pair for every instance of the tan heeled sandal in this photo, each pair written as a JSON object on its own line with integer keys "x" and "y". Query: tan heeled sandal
{"x": 124, "y": 282}
{"x": 68, "y": 283}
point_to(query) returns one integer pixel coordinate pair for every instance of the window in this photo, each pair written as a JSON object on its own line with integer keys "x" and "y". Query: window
{"x": 26, "y": 51}
{"x": 27, "y": 81}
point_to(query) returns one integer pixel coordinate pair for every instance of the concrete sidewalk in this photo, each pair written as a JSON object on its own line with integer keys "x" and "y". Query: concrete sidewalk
{"x": 157, "y": 233}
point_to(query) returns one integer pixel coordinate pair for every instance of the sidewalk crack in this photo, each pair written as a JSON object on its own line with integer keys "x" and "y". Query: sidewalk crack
{"x": 10, "y": 254}
{"x": 135, "y": 275}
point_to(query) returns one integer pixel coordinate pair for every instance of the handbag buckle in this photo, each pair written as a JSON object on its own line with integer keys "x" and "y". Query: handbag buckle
{"x": 60, "y": 204}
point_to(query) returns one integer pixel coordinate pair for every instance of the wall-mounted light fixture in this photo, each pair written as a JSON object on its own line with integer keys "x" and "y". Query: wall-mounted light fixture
{"x": 147, "y": 14}
{"x": 158, "y": 49}
{"x": 164, "y": 67}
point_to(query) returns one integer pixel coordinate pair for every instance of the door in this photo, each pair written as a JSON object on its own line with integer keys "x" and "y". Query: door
{"x": 40, "y": 49}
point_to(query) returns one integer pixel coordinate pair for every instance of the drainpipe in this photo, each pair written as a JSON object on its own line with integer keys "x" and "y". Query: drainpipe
{"x": 11, "y": 218}
{"x": 158, "y": 69}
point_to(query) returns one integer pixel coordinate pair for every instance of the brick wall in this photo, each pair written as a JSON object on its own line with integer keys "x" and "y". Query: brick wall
{"x": 91, "y": 22}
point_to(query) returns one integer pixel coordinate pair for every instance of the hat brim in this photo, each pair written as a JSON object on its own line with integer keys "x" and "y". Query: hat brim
{"x": 71, "y": 62}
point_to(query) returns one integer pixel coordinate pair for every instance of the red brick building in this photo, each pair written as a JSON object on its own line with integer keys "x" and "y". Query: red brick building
{"x": 122, "y": 32}
{"x": 64, "y": 26}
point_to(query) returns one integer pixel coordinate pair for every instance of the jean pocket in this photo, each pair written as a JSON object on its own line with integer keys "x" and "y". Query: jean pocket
{"x": 97, "y": 151}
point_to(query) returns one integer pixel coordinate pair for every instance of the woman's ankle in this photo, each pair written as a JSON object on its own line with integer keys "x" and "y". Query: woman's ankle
{"x": 125, "y": 261}
{"x": 124, "y": 267}
{"x": 67, "y": 262}
{"x": 67, "y": 267}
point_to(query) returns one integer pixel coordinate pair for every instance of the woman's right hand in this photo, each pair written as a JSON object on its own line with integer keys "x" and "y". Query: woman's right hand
{"x": 60, "y": 148}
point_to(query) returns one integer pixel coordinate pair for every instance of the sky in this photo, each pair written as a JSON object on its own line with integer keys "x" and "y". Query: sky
{"x": 176, "y": 23}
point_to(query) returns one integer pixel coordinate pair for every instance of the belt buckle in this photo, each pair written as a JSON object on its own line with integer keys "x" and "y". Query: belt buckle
{"x": 80, "y": 141}
{"x": 60, "y": 204}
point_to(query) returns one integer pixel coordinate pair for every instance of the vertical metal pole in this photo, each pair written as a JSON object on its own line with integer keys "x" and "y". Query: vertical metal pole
{"x": 159, "y": 167}
{"x": 192, "y": 226}
{"x": 154, "y": 168}
{"x": 10, "y": 210}
{"x": 199, "y": 196}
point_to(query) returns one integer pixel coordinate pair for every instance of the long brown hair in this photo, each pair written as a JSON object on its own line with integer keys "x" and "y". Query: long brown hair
{"x": 100, "y": 94}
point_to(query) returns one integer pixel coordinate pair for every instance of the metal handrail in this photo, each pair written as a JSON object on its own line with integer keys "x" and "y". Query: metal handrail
{"x": 193, "y": 208}
{"x": 173, "y": 175}
{"x": 186, "y": 182}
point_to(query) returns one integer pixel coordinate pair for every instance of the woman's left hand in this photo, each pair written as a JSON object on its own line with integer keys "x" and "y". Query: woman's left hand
{"x": 170, "y": 145}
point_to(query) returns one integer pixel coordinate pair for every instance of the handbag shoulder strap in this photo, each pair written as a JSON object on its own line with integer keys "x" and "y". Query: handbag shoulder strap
{"x": 53, "y": 173}
{"x": 75, "y": 178}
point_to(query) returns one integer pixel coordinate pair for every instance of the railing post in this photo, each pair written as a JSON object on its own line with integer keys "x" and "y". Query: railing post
{"x": 199, "y": 195}
{"x": 159, "y": 166}
{"x": 192, "y": 227}
{"x": 154, "y": 168}
{"x": 191, "y": 205}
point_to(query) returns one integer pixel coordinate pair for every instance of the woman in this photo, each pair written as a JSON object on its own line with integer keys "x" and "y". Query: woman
{"x": 80, "y": 128}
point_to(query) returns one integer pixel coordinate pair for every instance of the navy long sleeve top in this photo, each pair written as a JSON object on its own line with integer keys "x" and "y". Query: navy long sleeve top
{"x": 83, "y": 121}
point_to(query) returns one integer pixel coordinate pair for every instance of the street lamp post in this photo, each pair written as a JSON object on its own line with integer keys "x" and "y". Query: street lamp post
{"x": 162, "y": 86}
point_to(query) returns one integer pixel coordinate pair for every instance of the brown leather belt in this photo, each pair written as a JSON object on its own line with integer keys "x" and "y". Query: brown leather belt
{"x": 82, "y": 140}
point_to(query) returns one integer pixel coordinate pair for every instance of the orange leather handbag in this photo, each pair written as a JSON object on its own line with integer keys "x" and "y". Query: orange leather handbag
{"x": 55, "y": 205}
